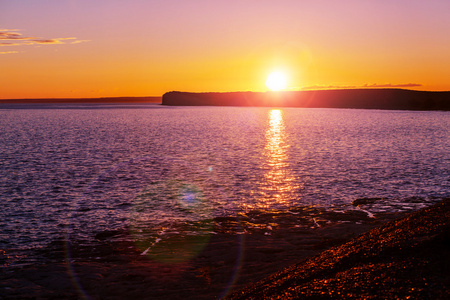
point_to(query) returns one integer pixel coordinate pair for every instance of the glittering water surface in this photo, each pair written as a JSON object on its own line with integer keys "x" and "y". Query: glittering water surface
{"x": 80, "y": 170}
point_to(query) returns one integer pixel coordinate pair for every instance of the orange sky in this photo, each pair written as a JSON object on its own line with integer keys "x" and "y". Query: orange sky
{"x": 81, "y": 48}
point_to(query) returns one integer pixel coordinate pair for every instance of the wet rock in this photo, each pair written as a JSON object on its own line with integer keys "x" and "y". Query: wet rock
{"x": 3, "y": 258}
{"x": 106, "y": 234}
{"x": 365, "y": 201}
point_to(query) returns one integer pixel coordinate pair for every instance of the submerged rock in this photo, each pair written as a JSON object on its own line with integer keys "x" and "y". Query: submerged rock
{"x": 107, "y": 234}
{"x": 364, "y": 201}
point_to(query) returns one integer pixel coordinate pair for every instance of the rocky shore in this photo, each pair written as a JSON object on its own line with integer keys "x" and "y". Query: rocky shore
{"x": 407, "y": 257}
{"x": 404, "y": 259}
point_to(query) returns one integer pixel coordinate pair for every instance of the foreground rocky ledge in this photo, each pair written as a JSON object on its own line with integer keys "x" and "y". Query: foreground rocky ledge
{"x": 394, "y": 99}
{"x": 403, "y": 259}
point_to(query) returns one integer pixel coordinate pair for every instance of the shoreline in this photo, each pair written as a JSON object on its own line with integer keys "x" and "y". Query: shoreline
{"x": 406, "y": 258}
{"x": 228, "y": 261}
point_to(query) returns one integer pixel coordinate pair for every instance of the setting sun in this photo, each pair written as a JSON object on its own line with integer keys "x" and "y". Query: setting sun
{"x": 276, "y": 81}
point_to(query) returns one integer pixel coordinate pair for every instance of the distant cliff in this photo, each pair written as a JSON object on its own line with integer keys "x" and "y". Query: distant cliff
{"x": 398, "y": 99}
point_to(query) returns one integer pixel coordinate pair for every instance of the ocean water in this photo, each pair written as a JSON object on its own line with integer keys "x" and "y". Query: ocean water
{"x": 74, "y": 171}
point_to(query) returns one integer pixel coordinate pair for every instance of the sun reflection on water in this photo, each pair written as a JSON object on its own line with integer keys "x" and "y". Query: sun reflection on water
{"x": 278, "y": 181}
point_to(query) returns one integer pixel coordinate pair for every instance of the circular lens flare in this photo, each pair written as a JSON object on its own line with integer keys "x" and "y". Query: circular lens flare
{"x": 160, "y": 207}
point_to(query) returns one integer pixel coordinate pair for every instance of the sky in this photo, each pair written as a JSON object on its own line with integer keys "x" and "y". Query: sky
{"x": 108, "y": 48}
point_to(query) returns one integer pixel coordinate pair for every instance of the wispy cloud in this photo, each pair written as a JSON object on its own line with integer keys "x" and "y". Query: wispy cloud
{"x": 80, "y": 41}
{"x": 388, "y": 85}
{"x": 326, "y": 87}
{"x": 9, "y": 35}
{"x": 375, "y": 85}
{"x": 52, "y": 41}
{"x": 12, "y": 37}
{"x": 9, "y": 52}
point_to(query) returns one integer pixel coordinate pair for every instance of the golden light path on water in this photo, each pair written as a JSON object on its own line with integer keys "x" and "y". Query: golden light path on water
{"x": 279, "y": 181}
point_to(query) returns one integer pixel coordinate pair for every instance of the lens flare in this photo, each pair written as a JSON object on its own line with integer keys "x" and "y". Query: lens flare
{"x": 185, "y": 223}
{"x": 163, "y": 206}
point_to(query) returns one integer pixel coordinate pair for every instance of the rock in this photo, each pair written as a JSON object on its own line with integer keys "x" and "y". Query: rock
{"x": 408, "y": 258}
{"x": 106, "y": 234}
{"x": 364, "y": 201}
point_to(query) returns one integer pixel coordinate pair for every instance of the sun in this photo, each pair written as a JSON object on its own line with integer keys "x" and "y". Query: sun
{"x": 276, "y": 81}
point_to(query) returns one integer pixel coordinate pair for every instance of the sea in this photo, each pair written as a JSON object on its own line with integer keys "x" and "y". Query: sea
{"x": 77, "y": 171}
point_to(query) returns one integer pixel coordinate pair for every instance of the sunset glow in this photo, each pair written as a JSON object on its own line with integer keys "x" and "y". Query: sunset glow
{"x": 146, "y": 48}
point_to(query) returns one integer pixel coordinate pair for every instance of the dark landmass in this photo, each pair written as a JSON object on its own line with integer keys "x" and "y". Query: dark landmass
{"x": 392, "y": 99}
{"x": 408, "y": 257}
{"x": 107, "y": 100}
{"x": 404, "y": 259}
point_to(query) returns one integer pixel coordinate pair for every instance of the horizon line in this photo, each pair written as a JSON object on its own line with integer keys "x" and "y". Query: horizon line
{"x": 223, "y": 92}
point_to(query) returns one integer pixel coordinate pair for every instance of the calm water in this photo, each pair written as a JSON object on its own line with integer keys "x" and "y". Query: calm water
{"x": 78, "y": 170}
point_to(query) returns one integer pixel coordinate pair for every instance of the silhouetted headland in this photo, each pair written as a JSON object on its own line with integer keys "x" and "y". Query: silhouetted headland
{"x": 393, "y": 99}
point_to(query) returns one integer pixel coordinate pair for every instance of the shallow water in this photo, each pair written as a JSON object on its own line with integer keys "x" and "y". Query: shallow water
{"x": 76, "y": 171}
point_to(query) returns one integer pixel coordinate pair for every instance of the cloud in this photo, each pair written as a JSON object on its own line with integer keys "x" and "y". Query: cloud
{"x": 388, "y": 85}
{"x": 375, "y": 85}
{"x": 51, "y": 41}
{"x": 12, "y": 44}
{"x": 80, "y": 41}
{"x": 327, "y": 87}
{"x": 9, "y": 52}
{"x": 11, "y": 34}
{"x": 11, "y": 37}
